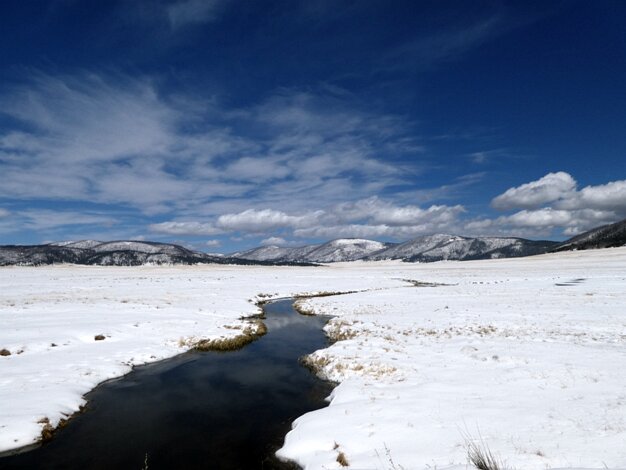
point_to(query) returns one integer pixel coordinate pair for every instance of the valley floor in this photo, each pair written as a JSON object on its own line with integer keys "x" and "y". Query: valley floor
{"x": 523, "y": 356}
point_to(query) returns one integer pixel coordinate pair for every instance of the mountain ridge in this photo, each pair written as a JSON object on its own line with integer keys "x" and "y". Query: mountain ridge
{"x": 427, "y": 248}
{"x": 113, "y": 253}
{"x": 605, "y": 236}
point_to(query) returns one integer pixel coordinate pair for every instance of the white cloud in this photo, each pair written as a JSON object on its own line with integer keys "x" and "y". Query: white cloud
{"x": 51, "y": 221}
{"x": 548, "y": 189}
{"x": 546, "y": 217}
{"x": 564, "y": 206}
{"x": 260, "y": 221}
{"x": 185, "y": 228}
{"x": 188, "y": 12}
{"x": 379, "y": 212}
{"x": 87, "y": 117}
{"x": 114, "y": 139}
{"x": 541, "y": 222}
{"x": 425, "y": 51}
{"x": 4, "y": 212}
{"x": 610, "y": 196}
{"x": 347, "y": 231}
{"x": 213, "y": 243}
{"x": 479, "y": 157}
{"x": 362, "y": 219}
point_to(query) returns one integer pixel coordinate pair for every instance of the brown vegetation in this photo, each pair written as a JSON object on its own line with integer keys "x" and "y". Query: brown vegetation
{"x": 342, "y": 460}
{"x": 417, "y": 283}
{"x": 47, "y": 431}
{"x": 254, "y": 330}
{"x": 481, "y": 457}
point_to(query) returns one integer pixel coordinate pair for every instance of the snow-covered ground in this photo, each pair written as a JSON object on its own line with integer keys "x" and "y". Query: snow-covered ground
{"x": 527, "y": 357}
{"x": 501, "y": 352}
{"x": 50, "y": 316}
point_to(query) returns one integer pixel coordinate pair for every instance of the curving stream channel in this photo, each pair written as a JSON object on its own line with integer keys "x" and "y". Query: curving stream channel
{"x": 199, "y": 410}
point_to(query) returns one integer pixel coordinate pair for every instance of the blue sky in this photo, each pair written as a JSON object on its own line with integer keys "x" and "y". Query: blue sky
{"x": 225, "y": 124}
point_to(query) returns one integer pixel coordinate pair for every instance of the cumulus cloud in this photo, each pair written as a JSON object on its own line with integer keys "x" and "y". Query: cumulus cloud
{"x": 546, "y": 217}
{"x": 610, "y": 196}
{"x": 213, "y": 243}
{"x": 554, "y": 202}
{"x": 548, "y": 189}
{"x": 367, "y": 218}
{"x": 380, "y": 212}
{"x": 259, "y": 221}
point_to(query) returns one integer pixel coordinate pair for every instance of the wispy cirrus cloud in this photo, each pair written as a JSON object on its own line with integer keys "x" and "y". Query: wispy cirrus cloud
{"x": 432, "y": 48}
{"x": 112, "y": 139}
{"x": 55, "y": 221}
{"x": 189, "y": 12}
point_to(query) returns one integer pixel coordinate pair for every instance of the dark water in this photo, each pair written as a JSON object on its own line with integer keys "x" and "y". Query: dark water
{"x": 207, "y": 410}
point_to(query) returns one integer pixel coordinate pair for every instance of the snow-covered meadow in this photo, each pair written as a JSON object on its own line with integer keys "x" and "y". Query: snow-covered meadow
{"x": 526, "y": 354}
{"x": 525, "y": 357}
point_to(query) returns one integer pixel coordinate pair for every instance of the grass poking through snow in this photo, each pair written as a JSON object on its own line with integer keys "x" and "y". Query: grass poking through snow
{"x": 482, "y": 458}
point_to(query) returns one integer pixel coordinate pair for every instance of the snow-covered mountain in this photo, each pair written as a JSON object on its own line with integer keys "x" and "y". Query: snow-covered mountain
{"x": 275, "y": 253}
{"x": 421, "y": 249}
{"x": 453, "y": 247}
{"x": 424, "y": 249}
{"x": 342, "y": 249}
{"x": 117, "y": 253}
{"x": 606, "y": 236}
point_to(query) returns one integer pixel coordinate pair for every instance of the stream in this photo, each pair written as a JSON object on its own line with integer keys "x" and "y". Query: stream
{"x": 199, "y": 410}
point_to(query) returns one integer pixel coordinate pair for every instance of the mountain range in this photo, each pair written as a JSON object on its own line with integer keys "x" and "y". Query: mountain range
{"x": 423, "y": 249}
{"x": 116, "y": 253}
{"x": 428, "y": 248}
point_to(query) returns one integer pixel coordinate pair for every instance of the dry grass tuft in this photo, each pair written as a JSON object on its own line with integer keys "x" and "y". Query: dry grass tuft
{"x": 99, "y": 337}
{"x": 298, "y": 304}
{"x": 306, "y": 295}
{"x": 342, "y": 460}
{"x": 314, "y": 363}
{"x": 5, "y": 352}
{"x": 299, "y": 307}
{"x": 339, "y": 330}
{"x": 254, "y": 330}
{"x": 47, "y": 430}
{"x": 417, "y": 283}
{"x": 481, "y": 457}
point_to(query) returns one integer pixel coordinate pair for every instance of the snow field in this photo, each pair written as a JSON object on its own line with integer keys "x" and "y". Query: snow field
{"x": 495, "y": 351}
{"x": 525, "y": 356}
{"x": 50, "y": 316}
